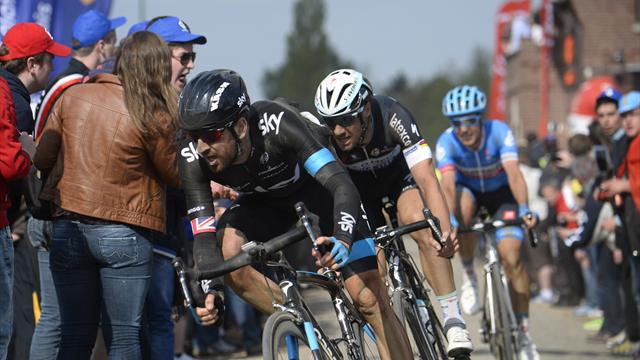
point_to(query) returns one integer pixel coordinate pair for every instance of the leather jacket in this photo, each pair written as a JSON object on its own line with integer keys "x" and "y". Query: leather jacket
{"x": 99, "y": 163}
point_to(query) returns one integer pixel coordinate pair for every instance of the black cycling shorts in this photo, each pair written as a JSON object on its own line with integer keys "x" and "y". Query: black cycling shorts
{"x": 262, "y": 218}
{"x": 500, "y": 204}
{"x": 392, "y": 189}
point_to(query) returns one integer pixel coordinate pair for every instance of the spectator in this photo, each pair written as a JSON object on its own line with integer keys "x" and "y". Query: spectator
{"x": 159, "y": 337}
{"x": 26, "y": 56}
{"x": 110, "y": 200}
{"x": 93, "y": 42}
{"x": 14, "y": 164}
{"x": 619, "y": 188}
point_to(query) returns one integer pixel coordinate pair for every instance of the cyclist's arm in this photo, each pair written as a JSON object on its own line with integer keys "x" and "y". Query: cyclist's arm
{"x": 320, "y": 163}
{"x": 516, "y": 181}
{"x": 447, "y": 167}
{"x": 199, "y": 203}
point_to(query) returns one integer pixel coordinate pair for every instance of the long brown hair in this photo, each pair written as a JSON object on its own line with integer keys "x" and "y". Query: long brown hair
{"x": 143, "y": 64}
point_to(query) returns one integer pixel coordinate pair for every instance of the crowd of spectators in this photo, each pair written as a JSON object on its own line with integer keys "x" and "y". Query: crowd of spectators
{"x": 589, "y": 254}
{"x": 106, "y": 160}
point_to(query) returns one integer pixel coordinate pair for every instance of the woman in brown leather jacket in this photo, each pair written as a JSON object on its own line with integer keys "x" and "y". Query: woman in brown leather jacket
{"x": 109, "y": 149}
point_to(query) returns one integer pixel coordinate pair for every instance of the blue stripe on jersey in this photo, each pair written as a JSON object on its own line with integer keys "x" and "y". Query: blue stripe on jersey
{"x": 361, "y": 248}
{"x": 317, "y": 160}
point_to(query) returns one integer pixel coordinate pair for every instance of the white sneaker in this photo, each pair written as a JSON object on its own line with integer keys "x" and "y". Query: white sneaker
{"x": 528, "y": 350}
{"x": 459, "y": 341}
{"x": 469, "y": 297}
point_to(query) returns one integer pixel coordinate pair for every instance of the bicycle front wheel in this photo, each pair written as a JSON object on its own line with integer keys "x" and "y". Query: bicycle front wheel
{"x": 502, "y": 341}
{"x": 284, "y": 339}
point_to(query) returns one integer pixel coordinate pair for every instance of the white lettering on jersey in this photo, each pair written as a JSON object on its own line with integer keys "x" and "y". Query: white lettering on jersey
{"x": 346, "y": 222}
{"x": 414, "y": 129}
{"x": 270, "y": 122}
{"x": 281, "y": 184}
{"x": 189, "y": 153}
{"x": 509, "y": 140}
{"x": 216, "y": 97}
{"x": 396, "y": 124}
{"x": 440, "y": 153}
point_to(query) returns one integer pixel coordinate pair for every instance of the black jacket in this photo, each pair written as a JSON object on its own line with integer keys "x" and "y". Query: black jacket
{"x": 22, "y": 100}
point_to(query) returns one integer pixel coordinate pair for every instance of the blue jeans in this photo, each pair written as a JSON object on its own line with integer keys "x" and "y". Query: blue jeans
{"x": 6, "y": 290}
{"x": 46, "y": 338}
{"x": 158, "y": 325}
{"x": 246, "y": 317}
{"x": 103, "y": 267}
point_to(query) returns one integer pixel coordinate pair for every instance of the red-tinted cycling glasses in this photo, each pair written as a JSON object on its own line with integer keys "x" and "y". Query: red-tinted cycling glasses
{"x": 209, "y": 136}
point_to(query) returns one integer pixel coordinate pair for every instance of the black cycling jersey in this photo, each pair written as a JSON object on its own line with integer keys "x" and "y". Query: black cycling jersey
{"x": 287, "y": 152}
{"x": 378, "y": 169}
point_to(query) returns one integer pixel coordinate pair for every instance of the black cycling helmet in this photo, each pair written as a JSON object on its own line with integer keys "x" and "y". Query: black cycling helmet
{"x": 212, "y": 100}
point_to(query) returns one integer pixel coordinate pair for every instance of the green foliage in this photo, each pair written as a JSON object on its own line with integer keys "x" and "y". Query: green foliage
{"x": 309, "y": 57}
{"x": 424, "y": 97}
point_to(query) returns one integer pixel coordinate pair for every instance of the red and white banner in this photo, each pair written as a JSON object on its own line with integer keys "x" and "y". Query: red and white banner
{"x": 509, "y": 10}
{"x": 546, "y": 19}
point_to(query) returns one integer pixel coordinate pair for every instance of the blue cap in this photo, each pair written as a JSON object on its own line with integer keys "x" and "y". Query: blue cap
{"x": 173, "y": 30}
{"x": 610, "y": 93}
{"x": 92, "y": 26}
{"x": 629, "y": 102}
{"x": 137, "y": 27}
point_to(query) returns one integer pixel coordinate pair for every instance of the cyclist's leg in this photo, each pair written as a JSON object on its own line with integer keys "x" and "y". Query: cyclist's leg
{"x": 466, "y": 210}
{"x": 438, "y": 270}
{"x": 250, "y": 220}
{"x": 369, "y": 295}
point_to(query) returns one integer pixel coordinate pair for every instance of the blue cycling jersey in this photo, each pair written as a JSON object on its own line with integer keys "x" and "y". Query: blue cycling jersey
{"x": 480, "y": 170}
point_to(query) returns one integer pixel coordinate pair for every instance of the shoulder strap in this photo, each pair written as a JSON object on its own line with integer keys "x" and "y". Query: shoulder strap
{"x": 50, "y": 98}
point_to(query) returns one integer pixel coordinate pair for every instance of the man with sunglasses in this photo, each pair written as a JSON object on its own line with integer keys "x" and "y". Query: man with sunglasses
{"x": 274, "y": 157}
{"x": 177, "y": 34}
{"x": 479, "y": 165}
{"x": 370, "y": 134}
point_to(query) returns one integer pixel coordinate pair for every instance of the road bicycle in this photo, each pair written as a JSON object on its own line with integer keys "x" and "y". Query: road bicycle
{"x": 409, "y": 295}
{"x": 498, "y": 325}
{"x": 292, "y": 331}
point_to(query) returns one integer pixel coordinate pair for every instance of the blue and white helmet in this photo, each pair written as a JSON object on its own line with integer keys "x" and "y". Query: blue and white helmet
{"x": 342, "y": 92}
{"x": 463, "y": 100}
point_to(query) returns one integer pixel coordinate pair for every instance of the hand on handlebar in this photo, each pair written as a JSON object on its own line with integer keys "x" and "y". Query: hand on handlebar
{"x": 529, "y": 218}
{"x": 450, "y": 242}
{"x": 334, "y": 259}
{"x": 213, "y": 309}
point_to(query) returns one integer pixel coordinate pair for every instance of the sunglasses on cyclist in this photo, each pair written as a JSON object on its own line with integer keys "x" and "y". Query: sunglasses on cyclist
{"x": 185, "y": 58}
{"x": 209, "y": 136}
{"x": 466, "y": 121}
{"x": 344, "y": 120}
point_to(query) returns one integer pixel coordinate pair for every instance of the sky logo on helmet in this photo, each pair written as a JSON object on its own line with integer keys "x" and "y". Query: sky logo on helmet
{"x": 216, "y": 97}
{"x": 241, "y": 100}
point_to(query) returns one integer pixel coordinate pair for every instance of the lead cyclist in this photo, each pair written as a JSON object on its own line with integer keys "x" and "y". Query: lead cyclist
{"x": 378, "y": 141}
{"x": 478, "y": 160}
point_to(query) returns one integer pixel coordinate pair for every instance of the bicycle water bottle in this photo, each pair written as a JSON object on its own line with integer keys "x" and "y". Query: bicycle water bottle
{"x": 426, "y": 320}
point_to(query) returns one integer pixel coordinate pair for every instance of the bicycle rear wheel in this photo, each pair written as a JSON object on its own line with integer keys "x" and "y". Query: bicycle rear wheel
{"x": 284, "y": 339}
{"x": 502, "y": 341}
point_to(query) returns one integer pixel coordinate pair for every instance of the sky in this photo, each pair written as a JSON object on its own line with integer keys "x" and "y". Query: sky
{"x": 382, "y": 38}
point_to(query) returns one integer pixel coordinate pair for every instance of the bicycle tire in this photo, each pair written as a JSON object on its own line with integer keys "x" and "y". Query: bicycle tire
{"x": 504, "y": 342}
{"x": 278, "y": 326}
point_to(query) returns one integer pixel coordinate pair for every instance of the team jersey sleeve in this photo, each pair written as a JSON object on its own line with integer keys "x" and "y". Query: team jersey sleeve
{"x": 404, "y": 131}
{"x": 199, "y": 202}
{"x": 506, "y": 142}
{"x": 444, "y": 152}
{"x": 296, "y": 137}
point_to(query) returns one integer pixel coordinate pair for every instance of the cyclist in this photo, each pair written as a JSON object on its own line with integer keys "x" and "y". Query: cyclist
{"x": 370, "y": 132}
{"x": 273, "y": 158}
{"x": 478, "y": 160}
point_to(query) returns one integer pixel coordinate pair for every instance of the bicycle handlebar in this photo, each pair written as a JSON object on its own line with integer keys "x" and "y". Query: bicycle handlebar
{"x": 430, "y": 221}
{"x": 495, "y": 224}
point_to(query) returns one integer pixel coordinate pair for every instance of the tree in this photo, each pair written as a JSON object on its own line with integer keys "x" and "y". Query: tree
{"x": 309, "y": 57}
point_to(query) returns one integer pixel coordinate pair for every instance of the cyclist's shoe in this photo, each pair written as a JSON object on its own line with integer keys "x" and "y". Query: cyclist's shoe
{"x": 528, "y": 350}
{"x": 459, "y": 341}
{"x": 469, "y": 297}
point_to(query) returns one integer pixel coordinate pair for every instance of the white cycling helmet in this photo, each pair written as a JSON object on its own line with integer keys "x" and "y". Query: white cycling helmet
{"x": 342, "y": 92}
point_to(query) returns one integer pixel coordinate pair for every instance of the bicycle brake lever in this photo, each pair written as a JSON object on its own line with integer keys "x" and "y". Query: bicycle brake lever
{"x": 178, "y": 265}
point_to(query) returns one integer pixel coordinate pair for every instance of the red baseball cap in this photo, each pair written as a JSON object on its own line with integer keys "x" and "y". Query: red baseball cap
{"x": 28, "y": 39}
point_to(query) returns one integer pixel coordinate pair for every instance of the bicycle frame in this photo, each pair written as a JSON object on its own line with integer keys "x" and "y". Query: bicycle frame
{"x": 493, "y": 265}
